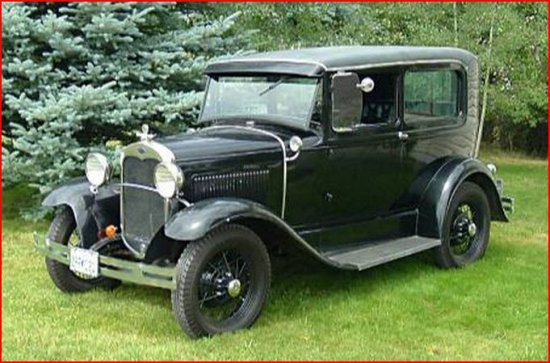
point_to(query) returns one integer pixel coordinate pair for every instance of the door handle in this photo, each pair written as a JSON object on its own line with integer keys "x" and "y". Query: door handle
{"x": 403, "y": 136}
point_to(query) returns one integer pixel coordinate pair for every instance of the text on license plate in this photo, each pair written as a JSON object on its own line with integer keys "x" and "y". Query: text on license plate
{"x": 85, "y": 262}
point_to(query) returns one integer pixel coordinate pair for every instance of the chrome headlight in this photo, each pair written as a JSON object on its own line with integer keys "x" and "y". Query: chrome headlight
{"x": 98, "y": 169}
{"x": 168, "y": 179}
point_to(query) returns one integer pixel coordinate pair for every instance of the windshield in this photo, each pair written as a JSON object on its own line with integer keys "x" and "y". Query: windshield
{"x": 285, "y": 99}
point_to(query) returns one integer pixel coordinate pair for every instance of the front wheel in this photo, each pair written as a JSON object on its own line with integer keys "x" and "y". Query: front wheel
{"x": 466, "y": 227}
{"x": 63, "y": 230}
{"x": 222, "y": 282}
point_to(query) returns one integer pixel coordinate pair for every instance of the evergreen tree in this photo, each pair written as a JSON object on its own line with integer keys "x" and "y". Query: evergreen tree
{"x": 78, "y": 76}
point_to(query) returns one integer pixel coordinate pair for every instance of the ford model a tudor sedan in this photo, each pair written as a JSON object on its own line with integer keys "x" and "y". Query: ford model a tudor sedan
{"x": 358, "y": 155}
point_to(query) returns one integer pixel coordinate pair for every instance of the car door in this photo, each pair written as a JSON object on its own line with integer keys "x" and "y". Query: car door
{"x": 434, "y": 115}
{"x": 362, "y": 175}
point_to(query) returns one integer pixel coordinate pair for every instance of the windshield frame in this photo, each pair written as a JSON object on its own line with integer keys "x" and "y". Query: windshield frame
{"x": 301, "y": 124}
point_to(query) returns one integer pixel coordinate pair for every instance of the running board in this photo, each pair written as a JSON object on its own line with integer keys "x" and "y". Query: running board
{"x": 365, "y": 256}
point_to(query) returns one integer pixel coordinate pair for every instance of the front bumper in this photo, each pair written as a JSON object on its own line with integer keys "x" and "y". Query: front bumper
{"x": 116, "y": 268}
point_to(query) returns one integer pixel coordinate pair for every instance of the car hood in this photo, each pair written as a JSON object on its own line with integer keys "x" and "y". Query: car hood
{"x": 223, "y": 142}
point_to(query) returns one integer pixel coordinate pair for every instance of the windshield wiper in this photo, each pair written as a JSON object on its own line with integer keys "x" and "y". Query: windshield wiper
{"x": 272, "y": 86}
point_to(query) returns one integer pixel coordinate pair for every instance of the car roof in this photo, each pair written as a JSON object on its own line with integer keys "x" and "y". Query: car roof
{"x": 316, "y": 61}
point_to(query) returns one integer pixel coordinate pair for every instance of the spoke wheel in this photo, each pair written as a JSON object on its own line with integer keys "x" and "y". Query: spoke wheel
{"x": 222, "y": 282}
{"x": 224, "y": 285}
{"x": 466, "y": 227}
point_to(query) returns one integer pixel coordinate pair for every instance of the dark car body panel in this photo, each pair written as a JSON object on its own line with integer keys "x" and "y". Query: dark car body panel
{"x": 199, "y": 146}
{"x": 228, "y": 154}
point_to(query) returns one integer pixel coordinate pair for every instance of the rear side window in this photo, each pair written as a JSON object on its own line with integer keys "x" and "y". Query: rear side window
{"x": 432, "y": 97}
{"x": 379, "y": 105}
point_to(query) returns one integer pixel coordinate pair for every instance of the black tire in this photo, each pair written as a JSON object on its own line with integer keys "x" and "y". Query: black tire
{"x": 461, "y": 243}
{"x": 200, "y": 290}
{"x": 61, "y": 229}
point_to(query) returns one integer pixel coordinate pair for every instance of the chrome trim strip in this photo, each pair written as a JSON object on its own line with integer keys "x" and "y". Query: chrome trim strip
{"x": 266, "y": 133}
{"x": 138, "y": 186}
{"x": 184, "y": 202}
{"x": 166, "y": 210}
{"x": 142, "y": 150}
{"x": 136, "y": 272}
{"x": 294, "y": 157}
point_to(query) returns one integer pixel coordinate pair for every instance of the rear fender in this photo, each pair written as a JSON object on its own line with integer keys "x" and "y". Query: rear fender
{"x": 439, "y": 192}
{"x": 91, "y": 211}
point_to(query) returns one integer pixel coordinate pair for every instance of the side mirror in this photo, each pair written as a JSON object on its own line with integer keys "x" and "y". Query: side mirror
{"x": 347, "y": 101}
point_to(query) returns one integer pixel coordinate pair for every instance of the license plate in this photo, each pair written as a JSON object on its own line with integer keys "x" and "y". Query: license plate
{"x": 85, "y": 262}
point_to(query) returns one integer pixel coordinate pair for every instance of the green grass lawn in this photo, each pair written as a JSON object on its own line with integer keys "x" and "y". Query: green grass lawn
{"x": 408, "y": 309}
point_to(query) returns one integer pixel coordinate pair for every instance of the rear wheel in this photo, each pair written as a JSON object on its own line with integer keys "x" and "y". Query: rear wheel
{"x": 466, "y": 227}
{"x": 63, "y": 231}
{"x": 222, "y": 282}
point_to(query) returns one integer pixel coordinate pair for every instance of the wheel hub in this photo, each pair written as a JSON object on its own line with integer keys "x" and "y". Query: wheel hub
{"x": 234, "y": 288}
{"x": 472, "y": 229}
{"x": 464, "y": 230}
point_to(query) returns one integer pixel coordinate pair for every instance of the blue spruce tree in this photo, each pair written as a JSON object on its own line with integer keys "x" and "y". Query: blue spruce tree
{"x": 84, "y": 76}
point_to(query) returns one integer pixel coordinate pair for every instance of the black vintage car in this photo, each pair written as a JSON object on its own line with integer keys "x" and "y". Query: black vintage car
{"x": 357, "y": 155}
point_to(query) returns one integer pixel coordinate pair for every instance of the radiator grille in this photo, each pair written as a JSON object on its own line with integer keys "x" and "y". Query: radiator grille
{"x": 245, "y": 184}
{"x": 142, "y": 209}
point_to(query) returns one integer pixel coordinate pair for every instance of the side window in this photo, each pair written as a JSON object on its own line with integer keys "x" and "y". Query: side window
{"x": 432, "y": 97}
{"x": 379, "y": 105}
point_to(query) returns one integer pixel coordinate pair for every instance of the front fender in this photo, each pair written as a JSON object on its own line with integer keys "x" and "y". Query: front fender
{"x": 91, "y": 211}
{"x": 197, "y": 220}
{"x": 435, "y": 200}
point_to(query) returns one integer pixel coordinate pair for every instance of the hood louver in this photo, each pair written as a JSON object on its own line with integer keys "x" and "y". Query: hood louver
{"x": 244, "y": 184}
